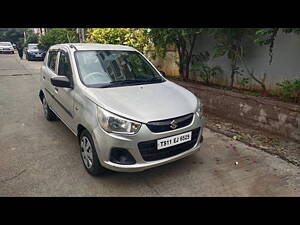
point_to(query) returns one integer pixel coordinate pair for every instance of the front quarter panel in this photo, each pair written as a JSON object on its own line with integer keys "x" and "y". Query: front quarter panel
{"x": 85, "y": 112}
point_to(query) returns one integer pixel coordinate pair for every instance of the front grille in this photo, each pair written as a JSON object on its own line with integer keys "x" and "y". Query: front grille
{"x": 165, "y": 125}
{"x": 149, "y": 152}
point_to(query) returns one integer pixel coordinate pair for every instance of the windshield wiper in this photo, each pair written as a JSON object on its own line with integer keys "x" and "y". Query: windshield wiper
{"x": 114, "y": 83}
{"x": 156, "y": 79}
{"x": 117, "y": 83}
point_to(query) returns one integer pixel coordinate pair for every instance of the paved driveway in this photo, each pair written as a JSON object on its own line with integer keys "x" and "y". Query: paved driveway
{"x": 41, "y": 158}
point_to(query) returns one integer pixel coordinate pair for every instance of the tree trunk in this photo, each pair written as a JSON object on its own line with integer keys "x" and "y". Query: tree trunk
{"x": 82, "y": 35}
{"x": 261, "y": 82}
{"x": 297, "y": 97}
{"x": 232, "y": 76}
{"x": 189, "y": 56}
{"x": 181, "y": 51}
{"x": 25, "y": 38}
{"x": 187, "y": 71}
{"x": 80, "y": 32}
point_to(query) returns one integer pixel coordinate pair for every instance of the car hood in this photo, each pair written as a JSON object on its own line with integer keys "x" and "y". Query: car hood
{"x": 144, "y": 103}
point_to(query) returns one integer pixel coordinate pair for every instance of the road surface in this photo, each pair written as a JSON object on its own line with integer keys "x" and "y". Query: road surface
{"x": 41, "y": 158}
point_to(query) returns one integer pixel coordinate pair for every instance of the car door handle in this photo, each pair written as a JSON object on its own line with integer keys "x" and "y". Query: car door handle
{"x": 44, "y": 77}
{"x": 56, "y": 90}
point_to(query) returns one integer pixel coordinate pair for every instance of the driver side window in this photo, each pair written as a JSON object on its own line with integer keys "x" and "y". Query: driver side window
{"x": 52, "y": 60}
{"x": 64, "y": 66}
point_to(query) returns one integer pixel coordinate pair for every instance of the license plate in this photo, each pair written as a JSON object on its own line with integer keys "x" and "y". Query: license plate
{"x": 37, "y": 55}
{"x": 174, "y": 140}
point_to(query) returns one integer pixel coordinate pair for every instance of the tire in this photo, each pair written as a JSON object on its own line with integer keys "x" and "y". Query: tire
{"x": 89, "y": 155}
{"x": 48, "y": 113}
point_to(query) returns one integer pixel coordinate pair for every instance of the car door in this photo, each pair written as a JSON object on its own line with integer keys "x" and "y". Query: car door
{"x": 49, "y": 70}
{"x": 65, "y": 96}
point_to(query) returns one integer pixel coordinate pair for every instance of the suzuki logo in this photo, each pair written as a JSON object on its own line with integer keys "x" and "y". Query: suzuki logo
{"x": 173, "y": 124}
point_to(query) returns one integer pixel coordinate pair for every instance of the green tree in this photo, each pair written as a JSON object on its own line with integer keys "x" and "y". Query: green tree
{"x": 134, "y": 37}
{"x": 201, "y": 63}
{"x": 231, "y": 42}
{"x": 14, "y": 35}
{"x": 58, "y": 36}
{"x": 266, "y": 36}
{"x": 31, "y": 37}
{"x": 183, "y": 39}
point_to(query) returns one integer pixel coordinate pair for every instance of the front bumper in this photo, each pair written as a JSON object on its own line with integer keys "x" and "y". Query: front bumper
{"x": 6, "y": 50}
{"x": 104, "y": 142}
{"x": 34, "y": 56}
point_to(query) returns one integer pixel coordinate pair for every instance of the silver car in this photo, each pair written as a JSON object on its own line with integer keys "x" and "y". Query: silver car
{"x": 126, "y": 115}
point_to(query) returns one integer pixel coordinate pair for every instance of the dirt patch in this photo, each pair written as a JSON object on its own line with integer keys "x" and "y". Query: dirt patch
{"x": 275, "y": 145}
{"x": 279, "y": 118}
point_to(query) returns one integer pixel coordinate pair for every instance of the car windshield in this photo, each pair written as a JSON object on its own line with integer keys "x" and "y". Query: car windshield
{"x": 5, "y": 44}
{"x": 105, "y": 68}
{"x": 33, "y": 47}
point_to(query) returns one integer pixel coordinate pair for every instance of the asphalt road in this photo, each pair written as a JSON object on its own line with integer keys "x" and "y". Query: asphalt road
{"x": 41, "y": 158}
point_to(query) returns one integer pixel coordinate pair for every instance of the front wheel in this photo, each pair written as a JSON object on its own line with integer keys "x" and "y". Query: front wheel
{"x": 48, "y": 113}
{"x": 89, "y": 155}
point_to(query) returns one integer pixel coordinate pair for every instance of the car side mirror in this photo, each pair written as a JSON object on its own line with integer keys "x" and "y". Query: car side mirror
{"x": 61, "y": 81}
{"x": 162, "y": 73}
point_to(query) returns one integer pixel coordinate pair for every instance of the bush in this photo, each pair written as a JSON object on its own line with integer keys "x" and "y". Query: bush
{"x": 290, "y": 89}
{"x": 31, "y": 38}
{"x": 200, "y": 63}
{"x": 58, "y": 36}
{"x": 136, "y": 38}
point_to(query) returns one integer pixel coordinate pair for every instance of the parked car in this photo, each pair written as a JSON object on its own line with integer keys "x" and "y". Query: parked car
{"x": 6, "y": 47}
{"x": 126, "y": 115}
{"x": 34, "y": 52}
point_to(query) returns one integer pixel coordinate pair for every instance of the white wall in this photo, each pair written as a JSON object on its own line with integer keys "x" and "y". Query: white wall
{"x": 285, "y": 64}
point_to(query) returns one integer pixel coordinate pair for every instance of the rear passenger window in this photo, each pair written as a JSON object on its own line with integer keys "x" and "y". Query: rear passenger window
{"x": 52, "y": 60}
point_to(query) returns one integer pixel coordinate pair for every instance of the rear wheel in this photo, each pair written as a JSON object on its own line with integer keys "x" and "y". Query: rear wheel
{"x": 89, "y": 155}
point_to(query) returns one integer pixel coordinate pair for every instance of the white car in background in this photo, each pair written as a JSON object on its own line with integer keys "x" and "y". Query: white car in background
{"x": 6, "y": 47}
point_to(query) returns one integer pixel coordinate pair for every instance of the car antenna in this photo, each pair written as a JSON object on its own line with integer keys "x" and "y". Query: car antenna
{"x": 73, "y": 46}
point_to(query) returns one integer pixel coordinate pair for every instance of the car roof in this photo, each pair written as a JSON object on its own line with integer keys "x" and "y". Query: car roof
{"x": 95, "y": 46}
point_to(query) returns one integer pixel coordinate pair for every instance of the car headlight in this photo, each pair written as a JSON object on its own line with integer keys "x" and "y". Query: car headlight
{"x": 115, "y": 124}
{"x": 199, "y": 111}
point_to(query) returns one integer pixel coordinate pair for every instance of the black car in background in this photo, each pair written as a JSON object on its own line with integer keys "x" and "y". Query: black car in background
{"x": 34, "y": 52}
